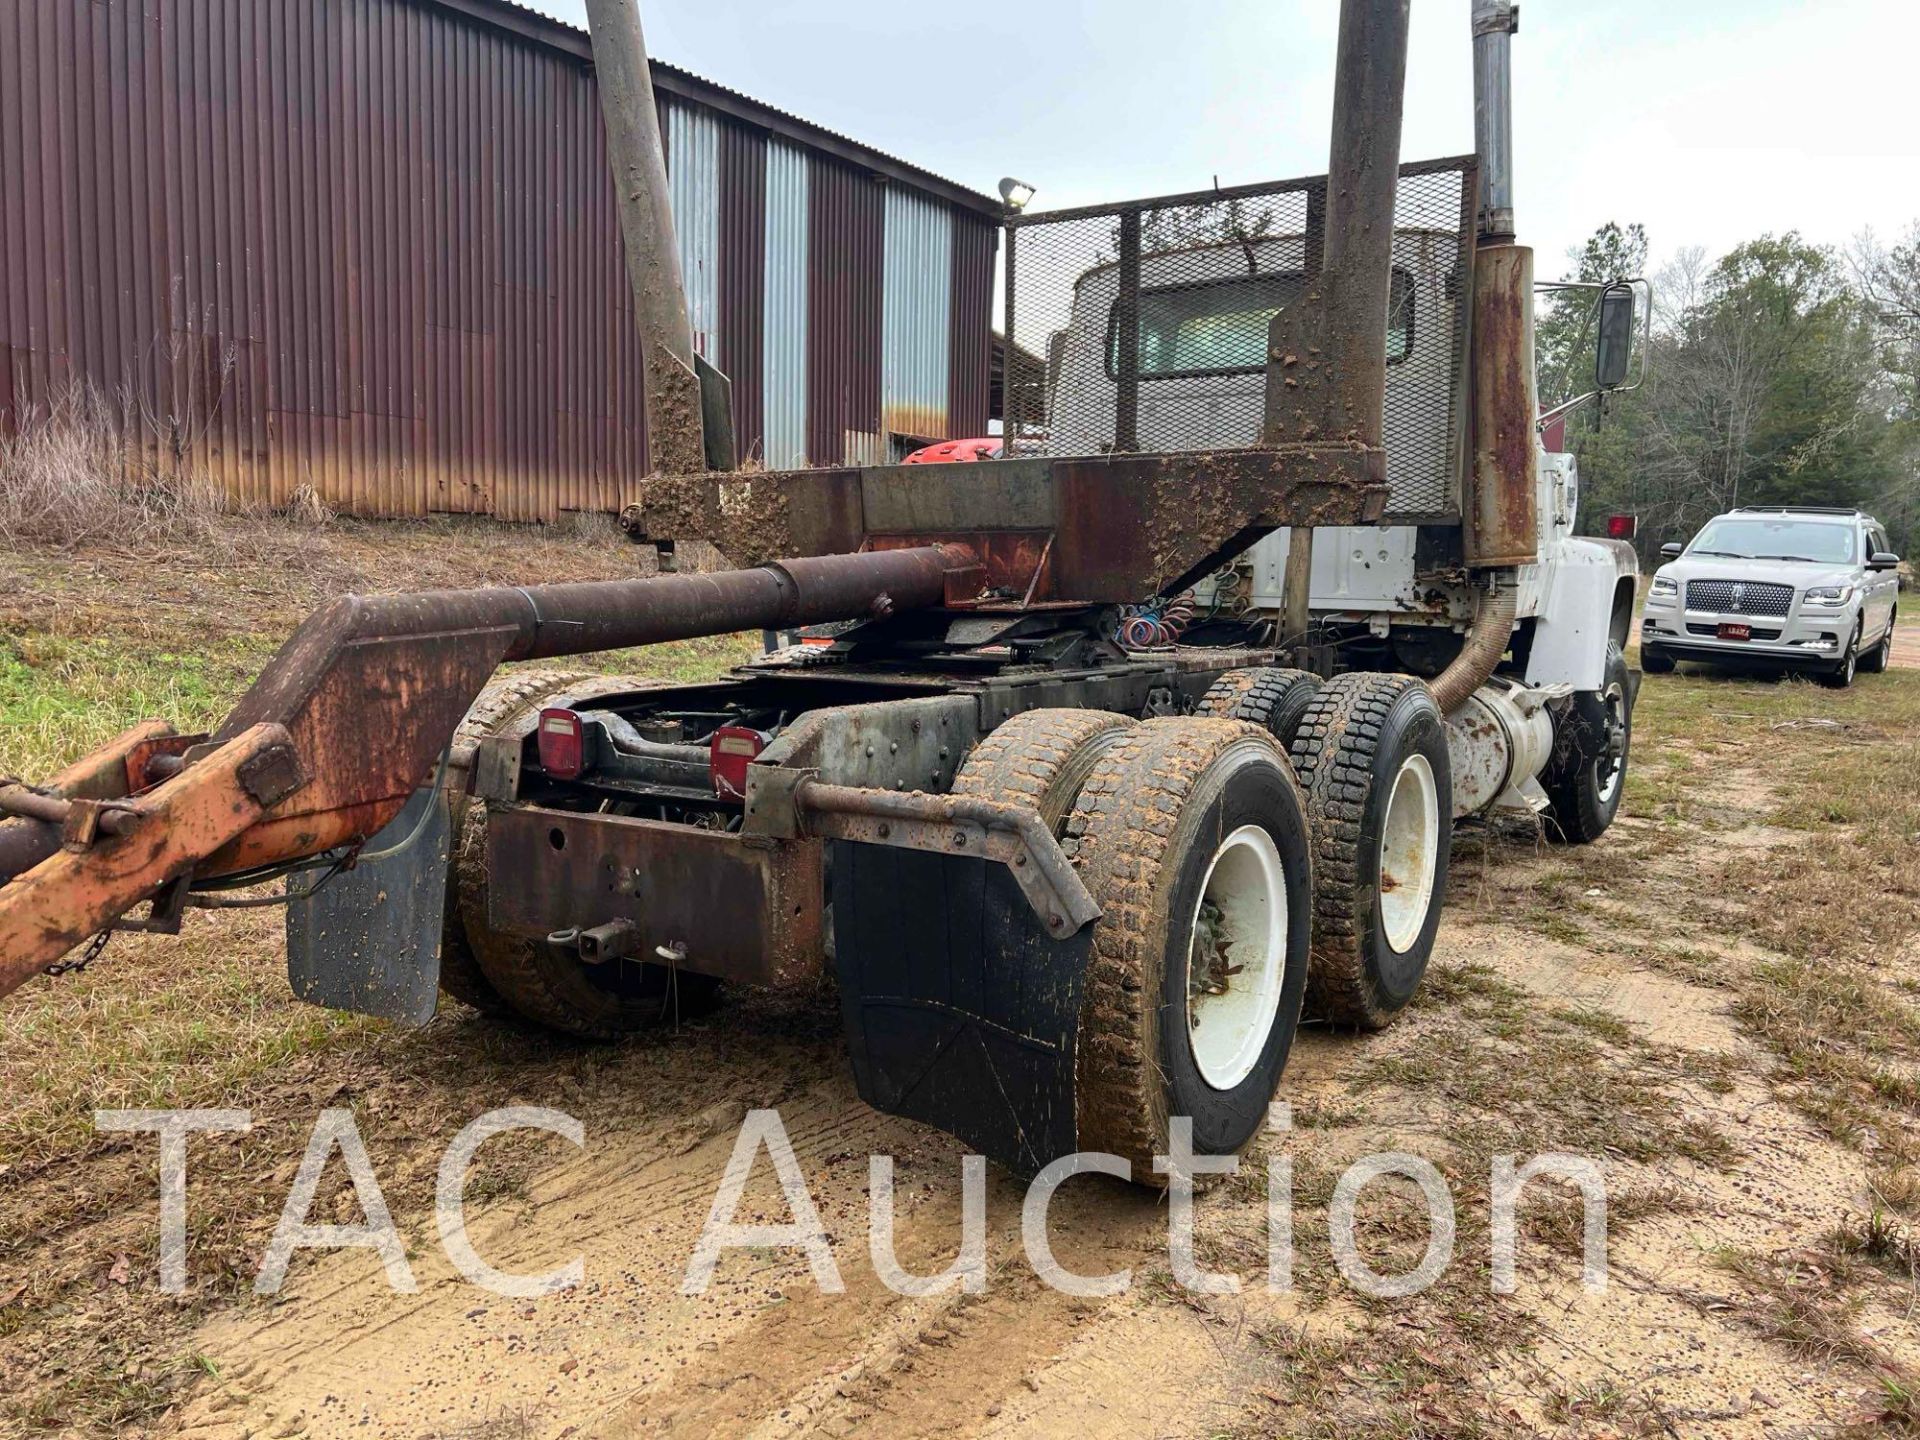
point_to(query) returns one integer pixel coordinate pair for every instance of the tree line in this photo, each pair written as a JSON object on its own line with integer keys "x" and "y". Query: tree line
{"x": 1783, "y": 372}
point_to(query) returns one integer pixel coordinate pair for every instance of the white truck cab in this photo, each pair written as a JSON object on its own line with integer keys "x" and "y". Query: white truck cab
{"x": 1204, "y": 312}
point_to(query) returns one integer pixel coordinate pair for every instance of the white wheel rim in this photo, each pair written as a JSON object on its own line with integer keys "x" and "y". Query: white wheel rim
{"x": 1240, "y": 920}
{"x": 1409, "y": 853}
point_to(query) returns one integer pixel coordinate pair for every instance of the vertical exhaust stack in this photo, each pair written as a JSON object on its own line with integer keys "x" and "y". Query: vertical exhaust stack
{"x": 1503, "y": 502}
{"x": 1327, "y": 354}
{"x": 676, "y": 432}
{"x": 1501, "y": 527}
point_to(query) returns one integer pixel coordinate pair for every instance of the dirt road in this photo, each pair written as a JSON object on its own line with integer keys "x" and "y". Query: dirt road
{"x": 1715, "y": 1003}
{"x": 1711, "y": 1164}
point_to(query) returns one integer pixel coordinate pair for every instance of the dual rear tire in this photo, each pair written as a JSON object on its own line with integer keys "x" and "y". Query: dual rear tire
{"x": 1371, "y": 754}
{"x": 1239, "y": 880}
{"x": 1237, "y": 884}
{"x": 499, "y": 973}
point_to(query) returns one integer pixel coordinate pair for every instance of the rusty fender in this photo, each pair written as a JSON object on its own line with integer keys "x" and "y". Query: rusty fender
{"x": 1010, "y": 835}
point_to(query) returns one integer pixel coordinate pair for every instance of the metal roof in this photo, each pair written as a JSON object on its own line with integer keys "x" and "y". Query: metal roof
{"x": 542, "y": 29}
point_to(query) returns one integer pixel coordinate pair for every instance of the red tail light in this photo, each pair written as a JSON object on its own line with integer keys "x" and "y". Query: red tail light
{"x": 734, "y": 747}
{"x": 1622, "y": 527}
{"x": 563, "y": 751}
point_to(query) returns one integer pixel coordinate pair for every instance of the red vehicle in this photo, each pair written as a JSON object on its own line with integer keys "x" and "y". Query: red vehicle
{"x": 947, "y": 452}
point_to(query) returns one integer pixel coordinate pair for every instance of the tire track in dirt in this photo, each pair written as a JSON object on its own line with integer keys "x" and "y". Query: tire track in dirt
{"x": 764, "y": 1354}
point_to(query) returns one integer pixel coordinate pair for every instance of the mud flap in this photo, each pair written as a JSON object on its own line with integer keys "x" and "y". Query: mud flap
{"x": 369, "y": 939}
{"x": 960, "y": 1010}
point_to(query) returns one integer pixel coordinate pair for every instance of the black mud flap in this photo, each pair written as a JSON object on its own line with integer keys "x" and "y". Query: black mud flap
{"x": 369, "y": 939}
{"x": 960, "y": 1010}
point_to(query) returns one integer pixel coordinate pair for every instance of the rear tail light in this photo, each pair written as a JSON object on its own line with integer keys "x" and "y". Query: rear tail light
{"x": 1622, "y": 527}
{"x": 563, "y": 750}
{"x": 734, "y": 747}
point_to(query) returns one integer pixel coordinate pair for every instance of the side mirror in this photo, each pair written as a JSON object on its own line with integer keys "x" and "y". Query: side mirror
{"x": 1883, "y": 560}
{"x": 1615, "y": 349}
{"x": 1672, "y": 550}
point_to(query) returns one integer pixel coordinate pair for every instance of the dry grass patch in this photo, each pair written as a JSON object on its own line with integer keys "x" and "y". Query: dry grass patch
{"x": 96, "y": 634}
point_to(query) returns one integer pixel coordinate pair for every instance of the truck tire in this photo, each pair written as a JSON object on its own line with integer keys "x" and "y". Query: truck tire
{"x": 1654, "y": 660}
{"x": 1189, "y": 828}
{"x": 1371, "y": 754}
{"x": 1041, "y": 758}
{"x": 506, "y": 698}
{"x": 555, "y": 988}
{"x": 1587, "y": 771}
{"x": 1274, "y": 699}
{"x": 1841, "y": 675}
{"x": 504, "y": 974}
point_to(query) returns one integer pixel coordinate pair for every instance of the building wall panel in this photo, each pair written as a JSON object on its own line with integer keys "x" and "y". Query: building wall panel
{"x": 693, "y": 185}
{"x": 970, "y": 337}
{"x": 845, "y": 228}
{"x": 784, "y": 371}
{"x": 369, "y": 247}
{"x": 916, "y": 315}
{"x": 743, "y": 263}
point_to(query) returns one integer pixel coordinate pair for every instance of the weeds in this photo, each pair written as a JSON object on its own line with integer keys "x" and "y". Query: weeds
{"x": 89, "y": 469}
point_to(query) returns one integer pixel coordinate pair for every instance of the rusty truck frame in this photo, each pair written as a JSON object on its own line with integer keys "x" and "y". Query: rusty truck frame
{"x": 1069, "y": 889}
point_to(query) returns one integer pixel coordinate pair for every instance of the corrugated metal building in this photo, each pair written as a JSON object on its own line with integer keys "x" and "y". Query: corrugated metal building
{"x": 370, "y": 246}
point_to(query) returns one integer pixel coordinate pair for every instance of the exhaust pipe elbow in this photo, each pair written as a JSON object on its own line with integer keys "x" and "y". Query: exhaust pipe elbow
{"x": 1486, "y": 643}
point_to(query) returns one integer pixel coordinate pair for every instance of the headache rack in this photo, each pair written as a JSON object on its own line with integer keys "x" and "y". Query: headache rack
{"x": 1142, "y": 326}
{"x": 1142, "y": 448}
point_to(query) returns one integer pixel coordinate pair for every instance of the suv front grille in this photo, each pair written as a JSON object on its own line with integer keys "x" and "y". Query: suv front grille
{"x": 1740, "y": 597}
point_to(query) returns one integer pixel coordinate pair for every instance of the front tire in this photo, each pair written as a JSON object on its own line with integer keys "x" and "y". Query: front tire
{"x": 1841, "y": 676}
{"x": 1876, "y": 660}
{"x": 1372, "y": 758}
{"x": 1587, "y": 771}
{"x": 1655, "y": 661}
{"x": 1192, "y": 835}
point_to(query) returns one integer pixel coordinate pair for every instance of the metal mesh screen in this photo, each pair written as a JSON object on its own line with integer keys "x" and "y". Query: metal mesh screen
{"x": 1143, "y": 326}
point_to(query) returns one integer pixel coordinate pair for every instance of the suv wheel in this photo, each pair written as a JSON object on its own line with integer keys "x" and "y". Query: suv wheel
{"x": 1876, "y": 660}
{"x": 1655, "y": 661}
{"x": 1841, "y": 676}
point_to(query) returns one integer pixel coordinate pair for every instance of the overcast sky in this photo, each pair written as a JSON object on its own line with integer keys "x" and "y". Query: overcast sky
{"x": 1709, "y": 121}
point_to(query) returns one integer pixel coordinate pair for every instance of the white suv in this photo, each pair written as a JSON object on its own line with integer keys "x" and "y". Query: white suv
{"x": 1776, "y": 586}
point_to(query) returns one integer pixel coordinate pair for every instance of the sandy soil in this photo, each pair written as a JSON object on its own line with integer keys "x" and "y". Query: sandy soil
{"x": 764, "y": 1354}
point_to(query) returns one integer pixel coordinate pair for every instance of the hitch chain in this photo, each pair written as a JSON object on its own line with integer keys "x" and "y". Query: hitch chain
{"x": 87, "y": 956}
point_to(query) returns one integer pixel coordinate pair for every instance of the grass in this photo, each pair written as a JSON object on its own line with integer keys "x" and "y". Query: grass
{"x": 93, "y": 638}
{"x": 1795, "y": 928}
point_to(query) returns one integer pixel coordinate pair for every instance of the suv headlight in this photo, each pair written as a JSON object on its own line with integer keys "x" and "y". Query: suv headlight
{"x": 1829, "y": 595}
{"x": 1663, "y": 588}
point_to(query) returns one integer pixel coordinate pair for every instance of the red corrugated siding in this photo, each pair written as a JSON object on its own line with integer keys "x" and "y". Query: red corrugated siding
{"x": 970, "y": 353}
{"x": 360, "y": 244}
{"x": 743, "y": 263}
{"x": 370, "y": 246}
{"x": 845, "y": 240}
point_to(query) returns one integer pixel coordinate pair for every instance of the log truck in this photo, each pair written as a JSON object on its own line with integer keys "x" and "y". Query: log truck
{"x": 1073, "y": 874}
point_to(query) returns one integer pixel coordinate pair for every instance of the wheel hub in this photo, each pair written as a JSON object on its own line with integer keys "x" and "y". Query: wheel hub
{"x": 1613, "y": 758}
{"x": 1409, "y": 853}
{"x": 1236, "y": 957}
